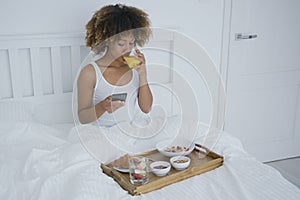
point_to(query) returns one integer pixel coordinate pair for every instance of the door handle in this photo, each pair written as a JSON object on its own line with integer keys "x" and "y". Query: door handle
{"x": 240, "y": 36}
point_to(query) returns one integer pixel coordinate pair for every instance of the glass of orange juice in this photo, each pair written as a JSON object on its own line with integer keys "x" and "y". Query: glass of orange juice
{"x": 131, "y": 60}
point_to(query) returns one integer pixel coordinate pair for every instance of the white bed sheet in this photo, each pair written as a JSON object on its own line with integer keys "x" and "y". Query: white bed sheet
{"x": 43, "y": 162}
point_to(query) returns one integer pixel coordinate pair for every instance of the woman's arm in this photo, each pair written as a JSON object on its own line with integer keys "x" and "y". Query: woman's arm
{"x": 145, "y": 98}
{"x": 85, "y": 87}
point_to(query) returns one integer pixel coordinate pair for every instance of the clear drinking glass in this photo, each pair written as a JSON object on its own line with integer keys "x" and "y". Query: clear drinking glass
{"x": 138, "y": 170}
{"x": 131, "y": 60}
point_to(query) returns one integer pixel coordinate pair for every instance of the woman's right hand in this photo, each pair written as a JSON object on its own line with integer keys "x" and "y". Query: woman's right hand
{"x": 110, "y": 106}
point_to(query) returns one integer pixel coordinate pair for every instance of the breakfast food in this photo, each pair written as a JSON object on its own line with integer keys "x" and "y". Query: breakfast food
{"x": 121, "y": 162}
{"x": 131, "y": 61}
{"x": 138, "y": 170}
{"x": 176, "y": 149}
{"x": 160, "y": 167}
{"x": 180, "y": 161}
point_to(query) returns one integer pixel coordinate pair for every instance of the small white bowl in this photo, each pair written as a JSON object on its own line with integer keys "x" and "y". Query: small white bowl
{"x": 160, "y": 171}
{"x": 180, "y": 165}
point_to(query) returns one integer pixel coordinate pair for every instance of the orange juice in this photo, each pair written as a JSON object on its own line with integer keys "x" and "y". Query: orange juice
{"x": 131, "y": 61}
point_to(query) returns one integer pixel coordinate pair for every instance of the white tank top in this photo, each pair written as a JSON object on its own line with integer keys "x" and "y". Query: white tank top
{"x": 104, "y": 89}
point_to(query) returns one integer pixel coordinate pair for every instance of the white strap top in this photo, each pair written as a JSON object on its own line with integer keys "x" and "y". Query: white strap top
{"x": 104, "y": 89}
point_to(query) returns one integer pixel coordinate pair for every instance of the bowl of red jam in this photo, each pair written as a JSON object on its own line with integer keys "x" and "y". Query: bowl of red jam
{"x": 160, "y": 168}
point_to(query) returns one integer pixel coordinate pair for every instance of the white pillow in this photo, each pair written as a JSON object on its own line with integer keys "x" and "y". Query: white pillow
{"x": 16, "y": 111}
{"x": 53, "y": 113}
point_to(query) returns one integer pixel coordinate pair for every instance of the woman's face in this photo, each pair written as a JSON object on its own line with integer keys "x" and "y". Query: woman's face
{"x": 121, "y": 46}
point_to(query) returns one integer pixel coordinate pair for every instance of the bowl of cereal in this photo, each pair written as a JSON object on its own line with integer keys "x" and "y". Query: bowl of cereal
{"x": 180, "y": 162}
{"x": 170, "y": 149}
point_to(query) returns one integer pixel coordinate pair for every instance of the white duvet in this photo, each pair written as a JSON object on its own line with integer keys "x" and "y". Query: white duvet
{"x": 46, "y": 163}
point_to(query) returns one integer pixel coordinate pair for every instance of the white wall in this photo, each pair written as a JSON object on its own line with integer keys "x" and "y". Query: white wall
{"x": 199, "y": 19}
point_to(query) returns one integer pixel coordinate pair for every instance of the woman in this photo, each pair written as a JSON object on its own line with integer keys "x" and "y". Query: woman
{"x": 114, "y": 31}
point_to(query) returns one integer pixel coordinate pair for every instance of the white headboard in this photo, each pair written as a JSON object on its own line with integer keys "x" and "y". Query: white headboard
{"x": 39, "y": 65}
{"x": 41, "y": 69}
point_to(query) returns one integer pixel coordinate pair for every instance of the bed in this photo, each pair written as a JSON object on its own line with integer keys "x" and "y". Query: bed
{"x": 42, "y": 156}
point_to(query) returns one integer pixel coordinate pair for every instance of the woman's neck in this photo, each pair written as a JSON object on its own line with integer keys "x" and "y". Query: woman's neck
{"x": 109, "y": 61}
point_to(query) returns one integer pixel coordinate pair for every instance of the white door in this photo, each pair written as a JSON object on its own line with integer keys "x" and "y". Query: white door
{"x": 263, "y": 78}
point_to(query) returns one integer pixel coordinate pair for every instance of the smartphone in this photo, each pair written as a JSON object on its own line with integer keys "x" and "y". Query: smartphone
{"x": 119, "y": 97}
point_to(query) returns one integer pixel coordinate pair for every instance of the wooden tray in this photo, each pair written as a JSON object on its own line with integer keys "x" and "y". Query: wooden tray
{"x": 199, "y": 164}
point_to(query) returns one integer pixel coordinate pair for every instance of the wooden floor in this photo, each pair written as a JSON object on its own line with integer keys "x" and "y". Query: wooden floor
{"x": 289, "y": 168}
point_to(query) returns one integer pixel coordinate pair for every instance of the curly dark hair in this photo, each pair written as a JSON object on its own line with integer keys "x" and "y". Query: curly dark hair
{"x": 113, "y": 20}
